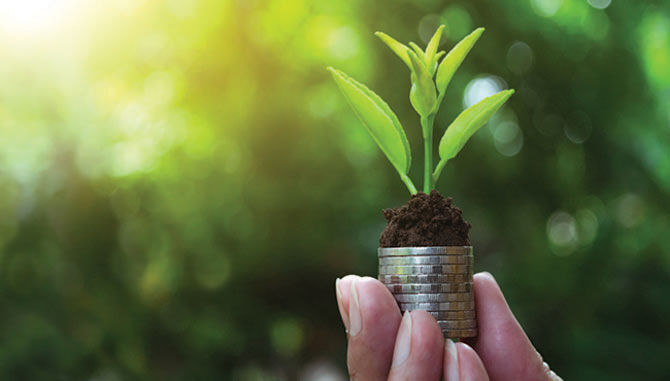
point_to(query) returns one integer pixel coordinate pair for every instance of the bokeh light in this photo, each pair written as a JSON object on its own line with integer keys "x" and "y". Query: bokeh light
{"x": 546, "y": 8}
{"x": 600, "y": 4}
{"x": 482, "y": 87}
{"x": 562, "y": 232}
{"x": 519, "y": 57}
{"x": 181, "y": 182}
{"x": 508, "y": 138}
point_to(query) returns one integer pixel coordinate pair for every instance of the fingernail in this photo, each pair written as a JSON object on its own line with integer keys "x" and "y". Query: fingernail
{"x": 340, "y": 306}
{"x": 451, "y": 372}
{"x": 354, "y": 311}
{"x": 403, "y": 341}
{"x": 487, "y": 274}
{"x": 550, "y": 373}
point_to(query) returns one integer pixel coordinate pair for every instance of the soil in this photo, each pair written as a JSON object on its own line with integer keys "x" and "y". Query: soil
{"x": 426, "y": 220}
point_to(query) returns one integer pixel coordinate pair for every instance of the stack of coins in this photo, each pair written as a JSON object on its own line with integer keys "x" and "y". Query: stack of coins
{"x": 435, "y": 279}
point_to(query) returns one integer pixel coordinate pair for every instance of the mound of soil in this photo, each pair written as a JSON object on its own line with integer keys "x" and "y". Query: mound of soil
{"x": 426, "y": 220}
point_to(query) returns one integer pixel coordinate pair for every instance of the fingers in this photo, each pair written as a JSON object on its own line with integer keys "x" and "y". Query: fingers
{"x": 462, "y": 363}
{"x": 418, "y": 348}
{"x": 414, "y": 349}
{"x": 371, "y": 317}
{"x": 502, "y": 345}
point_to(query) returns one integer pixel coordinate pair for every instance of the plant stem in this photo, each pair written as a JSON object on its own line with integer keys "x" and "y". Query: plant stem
{"x": 427, "y": 129}
{"x": 408, "y": 182}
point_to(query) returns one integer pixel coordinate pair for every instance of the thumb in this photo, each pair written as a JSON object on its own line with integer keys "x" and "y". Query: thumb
{"x": 502, "y": 345}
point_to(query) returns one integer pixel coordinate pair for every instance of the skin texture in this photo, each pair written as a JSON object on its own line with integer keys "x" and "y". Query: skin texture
{"x": 383, "y": 344}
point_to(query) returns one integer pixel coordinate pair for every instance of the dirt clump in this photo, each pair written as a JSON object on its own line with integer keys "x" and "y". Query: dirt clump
{"x": 426, "y": 220}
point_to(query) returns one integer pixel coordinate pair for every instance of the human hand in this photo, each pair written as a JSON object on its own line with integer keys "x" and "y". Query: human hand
{"x": 383, "y": 344}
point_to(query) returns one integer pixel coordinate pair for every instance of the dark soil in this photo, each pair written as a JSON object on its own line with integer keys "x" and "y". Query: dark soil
{"x": 426, "y": 220}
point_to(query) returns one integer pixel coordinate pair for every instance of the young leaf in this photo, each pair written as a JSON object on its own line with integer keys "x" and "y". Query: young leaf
{"x": 466, "y": 124}
{"x": 436, "y": 58}
{"x": 433, "y": 44}
{"x": 399, "y": 49}
{"x": 419, "y": 52}
{"x": 454, "y": 58}
{"x": 378, "y": 118}
{"x": 422, "y": 94}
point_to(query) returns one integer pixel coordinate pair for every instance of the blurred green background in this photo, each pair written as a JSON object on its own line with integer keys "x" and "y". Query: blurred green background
{"x": 181, "y": 181}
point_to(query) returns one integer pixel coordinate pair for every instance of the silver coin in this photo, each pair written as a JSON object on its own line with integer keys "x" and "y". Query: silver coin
{"x": 457, "y": 324}
{"x": 425, "y": 278}
{"x": 438, "y": 306}
{"x": 429, "y": 287}
{"x": 459, "y": 333}
{"x": 429, "y": 250}
{"x": 453, "y": 315}
{"x": 430, "y": 298}
{"x": 425, "y": 269}
{"x": 426, "y": 260}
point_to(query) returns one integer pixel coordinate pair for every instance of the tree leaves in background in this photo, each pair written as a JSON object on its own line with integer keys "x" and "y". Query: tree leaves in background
{"x": 466, "y": 124}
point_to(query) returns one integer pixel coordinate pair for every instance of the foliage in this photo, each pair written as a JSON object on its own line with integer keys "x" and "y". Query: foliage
{"x": 181, "y": 183}
{"x": 383, "y": 124}
{"x": 380, "y": 121}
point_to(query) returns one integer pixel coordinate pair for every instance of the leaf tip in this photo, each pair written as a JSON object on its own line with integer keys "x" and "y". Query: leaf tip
{"x": 477, "y": 33}
{"x": 417, "y": 49}
{"x": 382, "y": 36}
{"x": 333, "y": 71}
{"x": 414, "y": 58}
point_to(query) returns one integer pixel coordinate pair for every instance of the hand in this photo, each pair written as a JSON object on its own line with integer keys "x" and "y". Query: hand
{"x": 383, "y": 344}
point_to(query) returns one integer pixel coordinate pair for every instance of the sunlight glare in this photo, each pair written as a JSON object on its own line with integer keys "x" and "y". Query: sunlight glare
{"x": 23, "y": 17}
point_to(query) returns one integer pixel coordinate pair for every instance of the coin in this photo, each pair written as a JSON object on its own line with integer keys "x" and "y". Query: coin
{"x": 430, "y": 250}
{"x": 438, "y": 306}
{"x": 429, "y": 298}
{"x": 425, "y": 269}
{"x": 457, "y": 324}
{"x": 458, "y": 333}
{"x": 425, "y": 278}
{"x": 427, "y": 260}
{"x": 453, "y": 315}
{"x": 429, "y": 287}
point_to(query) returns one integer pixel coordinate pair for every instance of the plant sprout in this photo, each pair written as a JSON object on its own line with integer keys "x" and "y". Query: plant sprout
{"x": 429, "y": 78}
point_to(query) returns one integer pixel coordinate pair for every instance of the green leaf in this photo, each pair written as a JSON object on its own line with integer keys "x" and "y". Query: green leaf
{"x": 466, "y": 124}
{"x": 436, "y": 58}
{"x": 398, "y": 48}
{"x": 418, "y": 51}
{"x": 431, "y": 49}
{"x": 422, "y": 94}
{"x": 454, "y": 58}
{"x": 378, "y": 118}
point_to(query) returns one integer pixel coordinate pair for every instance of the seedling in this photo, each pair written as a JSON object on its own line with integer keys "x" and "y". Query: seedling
{"x": 429, "y": 77}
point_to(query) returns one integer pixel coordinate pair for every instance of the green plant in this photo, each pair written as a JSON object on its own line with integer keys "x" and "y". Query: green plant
{"x": 429, "y": 79}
